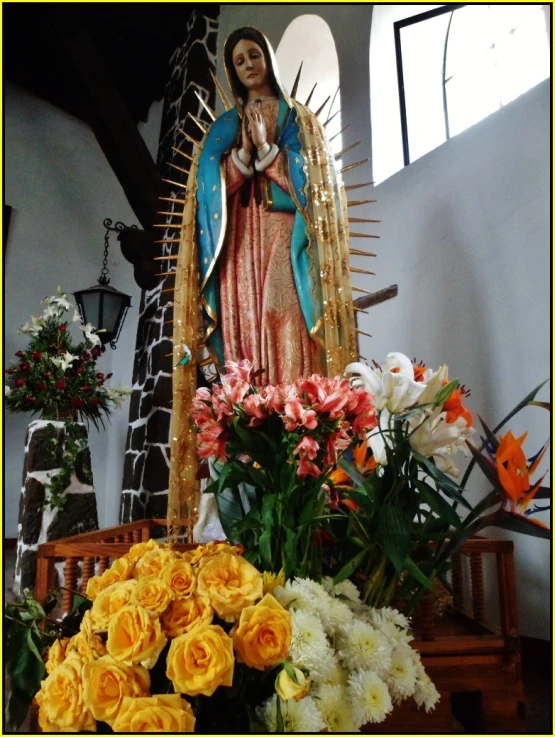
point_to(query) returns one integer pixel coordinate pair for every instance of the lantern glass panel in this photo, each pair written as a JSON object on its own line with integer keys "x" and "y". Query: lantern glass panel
{"x": 111, "y": 308}
{"x": 91, "y": 307}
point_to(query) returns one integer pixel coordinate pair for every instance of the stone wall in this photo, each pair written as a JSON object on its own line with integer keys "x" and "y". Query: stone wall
{"x": 146, "y": 468}
{"x": 38, "y": 523}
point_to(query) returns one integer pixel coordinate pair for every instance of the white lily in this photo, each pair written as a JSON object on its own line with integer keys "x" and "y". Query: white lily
{"x": 433, "y": 381}
{"x": 117, "y": 395}
{"x": 76, "y": 317}
{"x": 379, "y": 437}
{"x": 53, "y": 310}
{"x": 7, "y": 390}
{"x": 64, "y": 361}
{"x": 431, "y": 435}
{"x": 393, "y": 386}
{"x": 34, "y": 328}
{"x": 91, "y": 336}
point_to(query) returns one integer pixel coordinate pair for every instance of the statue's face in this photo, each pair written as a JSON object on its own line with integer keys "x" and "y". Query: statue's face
{"x": 250, "y": 64}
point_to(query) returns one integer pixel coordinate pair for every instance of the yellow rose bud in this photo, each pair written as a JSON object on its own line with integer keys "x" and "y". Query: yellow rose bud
{"x": 106, "y": 682}
{"x": 184, "y": 614}
{"x": 262, "y": 636}
{"x": 161, "y": 713}
{"x": 56, "y": 654}
{"x": 287, "y": 688}
{"x": 210, "y": 548}
{"x": 60, "y": 700}
{"x": 201, "y": 660}
{"x": 109, "y": 601}
{"x": 135, "y": 637}
{"x": 180, "y": 577}
{"x": 230, "y": 582}
{"x": 152, "y": 562}
{"x": 153, "y": 594}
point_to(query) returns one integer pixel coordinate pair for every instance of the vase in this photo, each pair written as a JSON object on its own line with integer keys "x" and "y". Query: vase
{"x": 64, "y": 413}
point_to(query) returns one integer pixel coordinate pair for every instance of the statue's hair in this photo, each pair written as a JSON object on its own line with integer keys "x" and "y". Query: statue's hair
{"x": 250, "y": 34}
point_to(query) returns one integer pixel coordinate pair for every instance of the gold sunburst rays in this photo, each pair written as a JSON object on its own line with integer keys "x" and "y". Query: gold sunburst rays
{"x": 220, "y": 90}
{"x": 206, "y": 106}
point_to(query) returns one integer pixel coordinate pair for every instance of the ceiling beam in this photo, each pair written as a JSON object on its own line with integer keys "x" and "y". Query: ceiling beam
{"x": 110, "y": 119}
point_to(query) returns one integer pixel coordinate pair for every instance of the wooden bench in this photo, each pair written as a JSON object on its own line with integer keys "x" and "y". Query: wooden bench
{"x": 477, "y": 670}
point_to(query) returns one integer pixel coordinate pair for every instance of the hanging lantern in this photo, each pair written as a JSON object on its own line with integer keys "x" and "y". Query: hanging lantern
{"x": 101, "y": 305}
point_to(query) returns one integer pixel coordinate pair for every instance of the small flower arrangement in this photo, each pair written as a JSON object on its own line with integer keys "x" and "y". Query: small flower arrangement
{"x": 54, "y": 375}
{"x": 173, "y": 642}
{"x": 281, "y": 442}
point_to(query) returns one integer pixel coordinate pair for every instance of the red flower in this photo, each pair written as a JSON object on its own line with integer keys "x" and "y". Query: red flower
{"x": 63, "y": 327}
{"x": 25, "y": 367}
{"x": 9, "y": 371}
{"x": 86, "y": 388}
{"x": 41, "y": 386}
{"x": 77, "y": 402}
{"x": 37, "y": 355}
{"x": 79, "y": 370}
{"x": 94, "y": 402}
{"x": 60, "y": 384}
{"x": 19, "y": 383}
{"x": 20, "y": 354}
{"x": 323, "y": 539}
{"x": 85, "y": 356}
{"x": 47, "y": 374}
{"x": 96, "y": 352}
{"x": 100, "y": 376}
{"x": 31, "y": 400}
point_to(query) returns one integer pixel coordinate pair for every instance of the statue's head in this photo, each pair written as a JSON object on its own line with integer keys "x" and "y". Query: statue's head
{"x": 249, "y": 62}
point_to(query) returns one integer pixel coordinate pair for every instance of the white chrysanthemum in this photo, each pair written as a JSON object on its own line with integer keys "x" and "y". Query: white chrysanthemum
{"x": 333, "y": 674}
{"x": 387, "y": 614}
{"x": 298, "y": 716}
{"x": 425, "y": 694}
{"x": 397, "y": 636}
{"x": 295, "y": 595}
{"x": 369, "y": 697}
{"x": 347, "y": 589}
{"x": 333, "y": 705}
{"x": 401, "y": 679}
{"x": 339, "y": 615}
{"x": 362, "y": 646}
{"x": 309, "y": 645}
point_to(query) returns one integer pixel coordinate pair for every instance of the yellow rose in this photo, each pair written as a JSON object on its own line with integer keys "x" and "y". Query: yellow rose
{"x": 287, "y": 688}
{"x": 160, "y": 713}
{"x": 109, "y": 601}
{"x": 180, "y": 577}
{"x": 184, "y": 614}
{"x": 152, "y": 562}
{"x": 60, "y": 700}
{"x": 262, "y": 636}
{"x": 211, "y": 548}
{"x": 56, "y": 654}
{"x": 201, "y": 660}
{"x": 86, "y": 646}
{"x": 120, "y": 570}
{"x": 153, "y": 594}
{"x": 139, "y": 549}
{"x": 230, "y": 582}
{"x": 106, "y": 682}
{"x": 135, "y": 637}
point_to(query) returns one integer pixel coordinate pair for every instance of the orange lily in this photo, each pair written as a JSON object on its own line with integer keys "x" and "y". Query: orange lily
{"x": 455, "y": 408}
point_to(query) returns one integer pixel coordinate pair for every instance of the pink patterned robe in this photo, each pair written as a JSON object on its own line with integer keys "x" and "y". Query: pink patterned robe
{"x": 261, "y": 314}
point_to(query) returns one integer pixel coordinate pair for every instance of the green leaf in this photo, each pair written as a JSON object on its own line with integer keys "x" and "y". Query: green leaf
{"x": 268, "y": 507}
{"x": 416, "y": 573}
{"x": 364, "y": 502}
{"x": 515, "y": 523}
{"x": 280, "y": 727}
{"x": 444, "y": 393}
{"x": 393, "y": 530}
{"x": 449, "y": 487}
{"x": 230, "y": 510}
{"x": 287, "y": 476}
{"x": 493, "y": 497}
{"x": 17, "y": 708}
{"x": 352, "y": 471}
{"x": 350, "y": 567}
{"x": 438, "y": 504}
{"x": 290, "y": 550}
{"x": 265, "y": 549}
{"x": 290, "y": 671}
{"x": 488, "y": 467}
{"x": 528, "y": 399}
{"x": 490, "y": 437}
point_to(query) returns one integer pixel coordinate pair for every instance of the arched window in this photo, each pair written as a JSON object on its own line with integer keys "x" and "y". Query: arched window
{"x": 435, "y": 73}
{"x": 308, "y": 39}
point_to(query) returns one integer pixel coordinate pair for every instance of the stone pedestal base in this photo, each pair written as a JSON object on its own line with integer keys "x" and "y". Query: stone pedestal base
{"x": 39, "y": 523}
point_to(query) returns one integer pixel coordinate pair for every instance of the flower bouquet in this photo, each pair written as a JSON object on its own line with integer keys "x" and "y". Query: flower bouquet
{"x": 273, "y": 448}
{"x": 202, "y": 641}
{"x": 56, "y": 376}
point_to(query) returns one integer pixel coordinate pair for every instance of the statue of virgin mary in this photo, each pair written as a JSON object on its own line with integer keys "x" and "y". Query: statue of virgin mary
{"x": 263, "y": 263}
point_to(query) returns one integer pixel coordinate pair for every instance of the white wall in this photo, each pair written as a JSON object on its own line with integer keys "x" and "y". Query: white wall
{"x": 465, "y": 235}
{"x": 61, "y": 188}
